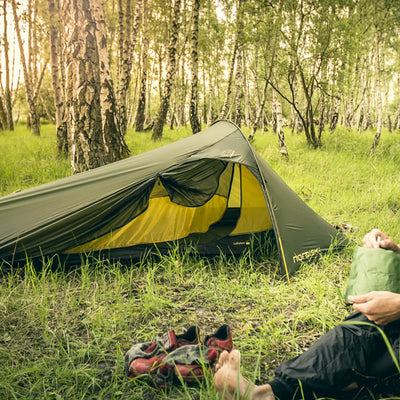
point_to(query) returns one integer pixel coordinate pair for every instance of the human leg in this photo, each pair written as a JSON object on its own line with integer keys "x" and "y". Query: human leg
{"x": 229, "y": 383}
{"x": 333, "y": 362}
{"x": 329, "y": 366}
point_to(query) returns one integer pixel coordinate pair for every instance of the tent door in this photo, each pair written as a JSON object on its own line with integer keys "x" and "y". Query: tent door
{"x": 225, "y": 225}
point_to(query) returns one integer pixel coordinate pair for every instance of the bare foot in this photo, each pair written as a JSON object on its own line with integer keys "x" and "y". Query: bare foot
{"x": 230, "y": 384}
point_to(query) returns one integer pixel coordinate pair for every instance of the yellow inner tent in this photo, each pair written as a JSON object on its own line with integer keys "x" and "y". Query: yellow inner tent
{"x": 164, "y": 221}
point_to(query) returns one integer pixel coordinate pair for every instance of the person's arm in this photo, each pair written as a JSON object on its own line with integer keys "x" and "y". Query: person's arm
{"x": 379, "y": 307}
{"x": 377, "y": 238}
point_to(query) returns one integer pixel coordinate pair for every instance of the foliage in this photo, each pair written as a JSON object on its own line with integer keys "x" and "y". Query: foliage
{"x": 324, "y": 64}
{"x": 64, "y": 331}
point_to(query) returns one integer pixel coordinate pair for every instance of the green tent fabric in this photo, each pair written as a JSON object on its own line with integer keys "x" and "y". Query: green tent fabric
{"x": 211, "y": 189}
{"x": 373, "y": 270}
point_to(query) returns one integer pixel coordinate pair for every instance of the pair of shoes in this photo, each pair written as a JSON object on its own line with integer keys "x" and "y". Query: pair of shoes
{"x": 175, "y": 358}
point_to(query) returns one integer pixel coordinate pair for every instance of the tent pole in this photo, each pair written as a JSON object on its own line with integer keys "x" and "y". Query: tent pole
{"x": 284, "y": 259}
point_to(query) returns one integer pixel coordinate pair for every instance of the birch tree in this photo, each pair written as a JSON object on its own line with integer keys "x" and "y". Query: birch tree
{"x": 225, "y": 107}
{"x": 194, "y": 94}
{"x": 31, "y": 89}
{"x": 269, "y": 50}
{"x": 279, "y": 128}
{"x": 127, "y": 43}
{"x": 86, "y": 145}
{"x": 166, "y": 97}
{"x": 8, "y": 122}
{"x": 309, "y": 44}
{"x": 141, "y": 108}
{"x": 378, "y": 73}
{"x": 59, "y": 92}
{"x": 114, "y": 141}
{"x": 239, "y": 67}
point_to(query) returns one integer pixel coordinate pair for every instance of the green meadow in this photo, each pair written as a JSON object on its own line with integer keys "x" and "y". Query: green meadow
{"x": 64, "y": 331}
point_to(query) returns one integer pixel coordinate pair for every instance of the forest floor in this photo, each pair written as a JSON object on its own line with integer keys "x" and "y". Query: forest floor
{"x": 64, "y": 332}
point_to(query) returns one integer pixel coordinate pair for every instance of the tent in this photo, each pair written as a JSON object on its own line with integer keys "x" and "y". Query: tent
{"x": 212, "y": 190}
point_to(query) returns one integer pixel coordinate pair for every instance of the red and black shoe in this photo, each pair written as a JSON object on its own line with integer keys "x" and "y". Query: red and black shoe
{"x": 221, "y": 340}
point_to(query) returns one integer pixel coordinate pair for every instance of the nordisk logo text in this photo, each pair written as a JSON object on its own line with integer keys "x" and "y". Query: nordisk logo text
{"x": 306, "y": 255}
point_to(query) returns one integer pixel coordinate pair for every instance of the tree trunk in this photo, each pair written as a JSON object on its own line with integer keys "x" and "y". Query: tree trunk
{"x": 165, "y": 101}
{"x": 239, "y": 66}
{"x": 180, "y": 98}
{"x": 386, "y": 88}
{"x": 3, "y": 116}
{"x": 31, "y": 99}
{"x": 194, "y": 95}
{"x": 246, "y": 96}
{"x": 7, "y": 92}
{"x": 225, "y": 107}
{"x": 361, "y": 116}
{"x": 124, "y": 59}
{"x": 396, "y": 123}
{"x": 141, "y": 108}
{"x": 115, "y": 145}
{"x": 238, "y": 89}
{"x": 334, "y": 120}
{"x": 279, "y": 129}
{"x": 378, "y": 93}
{"x": 128, "y": 47}
{"x": 273, "y": 41}
{"x": 59, "y": 103}
{"x": 321, "y": 122}
{"x": 273, "y": 113}
{"x": 86, "y": 145}
{"x": 308, "y": 121}
{"x": 259, "y": 111}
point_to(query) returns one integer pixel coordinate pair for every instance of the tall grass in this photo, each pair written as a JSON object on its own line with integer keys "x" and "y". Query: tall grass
{"x": 27, "y": 160}
{"x": 64, "y": 332}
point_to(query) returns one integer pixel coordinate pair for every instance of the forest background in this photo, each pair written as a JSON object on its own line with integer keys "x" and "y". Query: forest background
{"x": 95, "y": 68}
{"x": 313, "y": 84}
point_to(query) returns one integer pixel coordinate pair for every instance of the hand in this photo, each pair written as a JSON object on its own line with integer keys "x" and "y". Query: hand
{"x": 377, "y": 238}
{"x": 379, "y": 307}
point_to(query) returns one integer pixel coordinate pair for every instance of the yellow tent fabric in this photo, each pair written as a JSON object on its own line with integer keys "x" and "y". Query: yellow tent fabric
{"x": 165, "y": 221}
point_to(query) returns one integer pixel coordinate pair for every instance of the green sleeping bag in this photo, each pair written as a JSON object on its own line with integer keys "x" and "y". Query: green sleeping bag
{"x": 373, "y": 270}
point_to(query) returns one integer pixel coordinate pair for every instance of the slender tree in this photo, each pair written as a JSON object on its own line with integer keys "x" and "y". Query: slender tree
{"x": 141, "y": 108}
{"x": 239, "y": 82}
{"x": 228, "y": 91}
{"x": 309, "y": 43}
{"x": 279, "y": 128}
{"x": 194, "y": 94}
{"x": 7, "y": 89}
{"x": 269, "y": 55}
{"x": 115, "y": 144}
{"x": 378, "y": 84}
{"x": 172, "y": 48}
{"x": 59, "y": 100}
{"x": 127, "y": 43}
{"x": 31, "y": 90}
{"x": 3, "y": 117}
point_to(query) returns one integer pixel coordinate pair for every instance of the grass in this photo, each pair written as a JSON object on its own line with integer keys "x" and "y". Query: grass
{"x": 64, "y": 332}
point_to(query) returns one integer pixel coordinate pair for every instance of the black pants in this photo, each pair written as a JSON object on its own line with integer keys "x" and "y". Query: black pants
{"x": 337, "y": 359}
